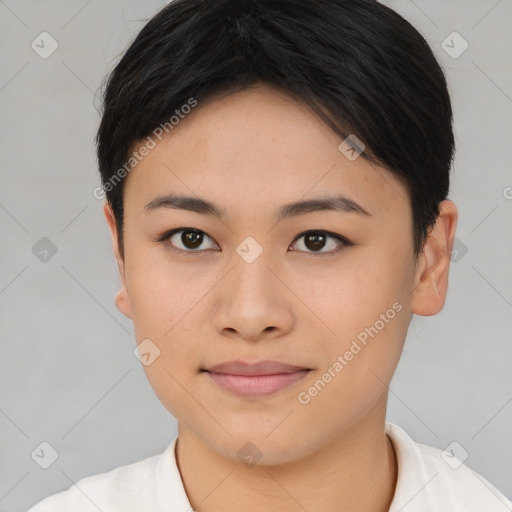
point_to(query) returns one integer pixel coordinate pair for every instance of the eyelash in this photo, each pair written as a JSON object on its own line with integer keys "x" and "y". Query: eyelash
{"x": 342, "y": 240}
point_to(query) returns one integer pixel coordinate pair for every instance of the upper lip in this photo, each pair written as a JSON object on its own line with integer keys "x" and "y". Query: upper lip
{"x": 268, "y": 367}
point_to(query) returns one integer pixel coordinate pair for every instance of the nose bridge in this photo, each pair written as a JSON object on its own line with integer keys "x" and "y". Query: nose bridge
{"x": 252, "y": 277}
{"x": 251, "y": 298}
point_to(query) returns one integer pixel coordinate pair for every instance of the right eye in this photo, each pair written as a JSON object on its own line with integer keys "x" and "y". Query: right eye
{"x": 190, "y": 239}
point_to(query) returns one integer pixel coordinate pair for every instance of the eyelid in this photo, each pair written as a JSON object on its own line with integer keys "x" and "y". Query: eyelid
{"x": 339, "y": 238}
{"x": 168, "y": 234}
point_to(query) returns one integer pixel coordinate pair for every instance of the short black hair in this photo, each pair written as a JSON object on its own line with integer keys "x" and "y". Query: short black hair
{"x": 358, "y": 64}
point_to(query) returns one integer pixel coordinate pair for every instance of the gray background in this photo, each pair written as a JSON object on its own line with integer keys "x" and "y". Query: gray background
{"x": 67, "y": 372}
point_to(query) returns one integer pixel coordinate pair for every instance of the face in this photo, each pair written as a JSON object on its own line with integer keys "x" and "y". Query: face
{"x": 328, "y": 291}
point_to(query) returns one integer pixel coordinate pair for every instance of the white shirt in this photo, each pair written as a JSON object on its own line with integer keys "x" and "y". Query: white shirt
{"x": 426, "y": 483}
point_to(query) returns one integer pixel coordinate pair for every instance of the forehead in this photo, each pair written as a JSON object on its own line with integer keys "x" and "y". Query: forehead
{"x": 259, "y": 147}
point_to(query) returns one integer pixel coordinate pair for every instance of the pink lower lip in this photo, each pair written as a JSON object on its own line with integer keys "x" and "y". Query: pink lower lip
{"x": 257, "y": 385}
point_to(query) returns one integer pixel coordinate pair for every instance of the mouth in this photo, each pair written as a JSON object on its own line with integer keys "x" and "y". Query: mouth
{"x": 255, "y": 379}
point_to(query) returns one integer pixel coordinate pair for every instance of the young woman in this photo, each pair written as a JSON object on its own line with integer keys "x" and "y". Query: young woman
{"x": 276, "y": 179}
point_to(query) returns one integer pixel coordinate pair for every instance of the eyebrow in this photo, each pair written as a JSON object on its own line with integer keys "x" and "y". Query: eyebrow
{"x": 195, "y": 204}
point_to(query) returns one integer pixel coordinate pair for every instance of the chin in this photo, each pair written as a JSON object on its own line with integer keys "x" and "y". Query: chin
{"x": 254, "y": 446}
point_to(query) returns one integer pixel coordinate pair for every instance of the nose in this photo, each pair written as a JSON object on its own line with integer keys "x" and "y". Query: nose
{"x": 253, "y": 303}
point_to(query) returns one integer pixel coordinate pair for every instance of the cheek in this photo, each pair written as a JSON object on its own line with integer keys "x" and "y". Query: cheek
{"x": 358, "y": 364}
{"x": 364, "y": 311}
{"x": 160, "y": 295}
{"x": 353, "y": 293}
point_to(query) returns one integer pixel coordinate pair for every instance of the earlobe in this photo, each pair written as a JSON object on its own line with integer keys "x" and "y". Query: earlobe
{"x": 431, "y": 283}
{"x": 122, "y": 302}
{"x": 122, "y": 299}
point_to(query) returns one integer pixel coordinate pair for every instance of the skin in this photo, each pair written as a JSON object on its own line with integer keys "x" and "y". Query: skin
{"x": 250, "y": 153}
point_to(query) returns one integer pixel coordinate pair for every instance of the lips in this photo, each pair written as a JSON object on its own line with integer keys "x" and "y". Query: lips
{"x": 260, "y": 368}
{"x": 253, "y": 380}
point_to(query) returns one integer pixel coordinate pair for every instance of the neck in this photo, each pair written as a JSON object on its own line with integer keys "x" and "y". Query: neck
{"x": 354, "y": 471}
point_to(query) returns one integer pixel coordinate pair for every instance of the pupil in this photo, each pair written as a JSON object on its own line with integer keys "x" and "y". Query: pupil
{"x": 193, "y": 240}
{"x": 190, "y": 237}
{"x": 318, "y": 241}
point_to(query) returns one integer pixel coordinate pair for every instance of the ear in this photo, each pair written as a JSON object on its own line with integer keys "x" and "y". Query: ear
{"x": 431, "y": 279}
{"x": 122, "y": 299}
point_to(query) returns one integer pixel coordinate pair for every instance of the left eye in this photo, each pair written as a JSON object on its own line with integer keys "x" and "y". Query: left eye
{"x": 315, "y": 240}
{"x": 192, "y": 239}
